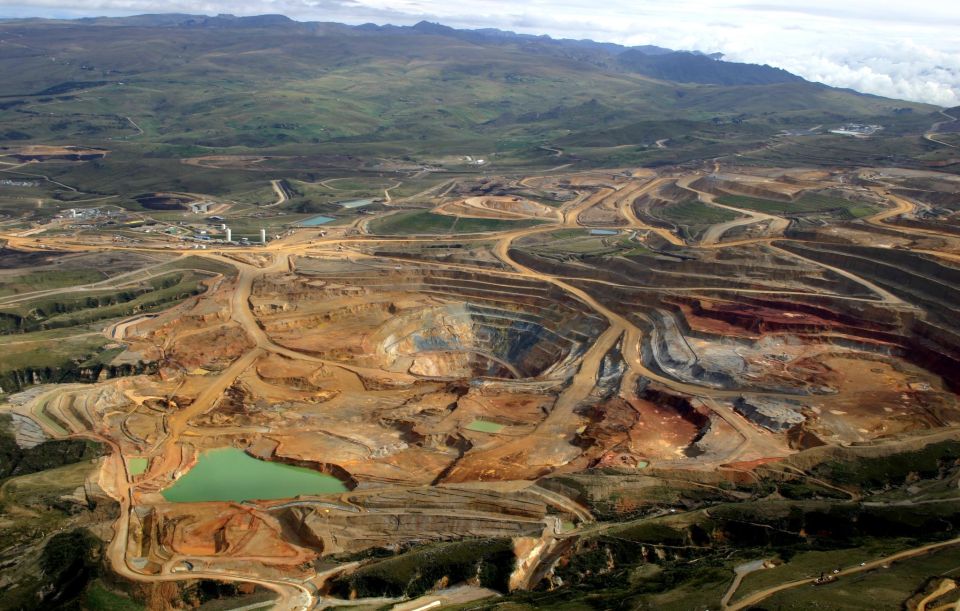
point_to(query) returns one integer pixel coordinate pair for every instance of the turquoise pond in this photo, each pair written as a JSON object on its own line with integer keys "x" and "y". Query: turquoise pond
{"x": 229, "y": 474}
{"x": 603, "y": 232}
{"x": 316, "y": 220}
{"x": 136, "y": 466}
{"x": 484, "y": 426}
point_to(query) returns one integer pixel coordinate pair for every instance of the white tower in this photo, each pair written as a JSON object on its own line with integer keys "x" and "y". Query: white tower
{"x": 229, "y": 235}
{"x": 263, "y": 236}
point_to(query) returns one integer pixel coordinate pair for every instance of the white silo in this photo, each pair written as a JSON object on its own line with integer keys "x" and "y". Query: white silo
{"x": 229, "y": 235}
{"x": 263, "y": 236}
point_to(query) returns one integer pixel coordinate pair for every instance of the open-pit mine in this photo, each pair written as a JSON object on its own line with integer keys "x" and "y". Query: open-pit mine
{"x": 579, "y": 371}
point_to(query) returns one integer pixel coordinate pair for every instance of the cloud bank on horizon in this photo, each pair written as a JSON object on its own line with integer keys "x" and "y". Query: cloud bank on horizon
{"x": 875, "y": 46}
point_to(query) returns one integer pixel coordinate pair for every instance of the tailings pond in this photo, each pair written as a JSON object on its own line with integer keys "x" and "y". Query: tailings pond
{"x": 229, "y": 474}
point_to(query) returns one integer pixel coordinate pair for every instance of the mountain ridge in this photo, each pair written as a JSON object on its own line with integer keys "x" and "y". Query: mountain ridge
{"x": 689, "y": 66}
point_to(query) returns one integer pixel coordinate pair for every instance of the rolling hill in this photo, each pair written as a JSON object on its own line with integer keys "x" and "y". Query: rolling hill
{"x": 166, "y": 87}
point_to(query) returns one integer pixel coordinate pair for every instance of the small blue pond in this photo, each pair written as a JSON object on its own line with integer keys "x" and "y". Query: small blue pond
{"x": 603, "y": 232}
{"x": 316, "y": 220}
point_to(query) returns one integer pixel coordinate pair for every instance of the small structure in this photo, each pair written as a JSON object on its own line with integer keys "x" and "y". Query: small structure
{"x": 229, "y": 235}
{"x": 858, "y": 130}
{"x": 263, "y": 236}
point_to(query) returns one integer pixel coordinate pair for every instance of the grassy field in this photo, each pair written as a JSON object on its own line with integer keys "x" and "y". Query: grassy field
{"x": 46, "y": 349}
{"x": 692, "y": 216}
{"x": 806, "y": 203}
{"x": 47, "y": 279}
{"x": 32, "y": 499}
{"x": 32, "y": 516}
{"x": 428, "y": 223}
{"x": 878, "y": 589}
{"x": 693, "y": 212}
{"x": 66, "y": 310}
{"x": 57, "y": 335}
{"x": 57, "y": 271}
{"x": 811, "y": 564}
{"x": 99, "y": 598}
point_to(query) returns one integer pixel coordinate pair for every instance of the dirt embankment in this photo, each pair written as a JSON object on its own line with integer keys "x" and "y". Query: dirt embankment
{"x": 38, "y": 152}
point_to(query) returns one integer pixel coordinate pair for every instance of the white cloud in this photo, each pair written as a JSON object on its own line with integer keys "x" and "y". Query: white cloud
{"x": 884, "y": 47}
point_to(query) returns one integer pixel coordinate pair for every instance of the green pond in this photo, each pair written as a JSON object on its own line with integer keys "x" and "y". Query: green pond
{"x": 229, "y": 474}
{"x": 484, "y": 426}
{"x": 136, "y": 466}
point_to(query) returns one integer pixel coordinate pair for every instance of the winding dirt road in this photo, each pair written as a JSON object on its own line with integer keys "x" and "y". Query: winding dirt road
{"x": 764, "y": 594}
{"x": 713, "y": 235}
{"x": 280, "y": 191}
{"x": 934, "y": 130}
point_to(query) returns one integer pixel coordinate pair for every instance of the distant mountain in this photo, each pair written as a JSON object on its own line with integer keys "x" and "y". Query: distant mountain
{"x": 422, "y": 91}
{"x": 648, "y": 60}
{"x": 185, "y": 20}
{"x": 683, "y": 67}
{"x": 494, "y": 35}
{"x": 160, "y": 20}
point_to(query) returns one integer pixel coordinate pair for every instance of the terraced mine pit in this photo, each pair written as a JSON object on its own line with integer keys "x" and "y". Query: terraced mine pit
{"x": 652, "y": 345}
{"x": 431, "y": 323}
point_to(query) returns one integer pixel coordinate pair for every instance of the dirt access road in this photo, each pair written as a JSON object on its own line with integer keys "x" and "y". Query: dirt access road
{"x": 764, "y": 594}
{"x": 280, "y": 191}
{"x": 935, "y": 130}
{"x": 777, "y": 225}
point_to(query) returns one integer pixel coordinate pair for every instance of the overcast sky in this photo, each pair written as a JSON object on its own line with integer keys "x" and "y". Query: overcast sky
{"x": 908, "y": 50}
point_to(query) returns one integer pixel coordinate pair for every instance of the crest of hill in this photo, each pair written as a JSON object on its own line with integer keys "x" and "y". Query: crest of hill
{"x": 648, "y": 60}
{"x": 684, "y": 67}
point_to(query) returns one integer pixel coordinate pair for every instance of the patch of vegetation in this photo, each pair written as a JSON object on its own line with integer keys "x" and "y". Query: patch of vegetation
{"x": 66, "y": 310}
{"x": 807, "y": 564}
{"x": 415, "y": 572}
{"x": 100, "y": 598}
{"x": 877, "y": 473}
{"x": 69, "y": 561}
{"x": 884, "y": 588}
{"x": 59, "y": 356}
{"x": 692, "y": 216}
{"x": 47, "y": 279}
{"x": 15, "y": 460}
{"x": 694, "y": 212}
{"x": 422, "y": 222}
{"x": 15, "y": 134}
{"x": 208, "y": 595}
{"x": 685, "y": 560}
{"x": 806, "y": 203}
